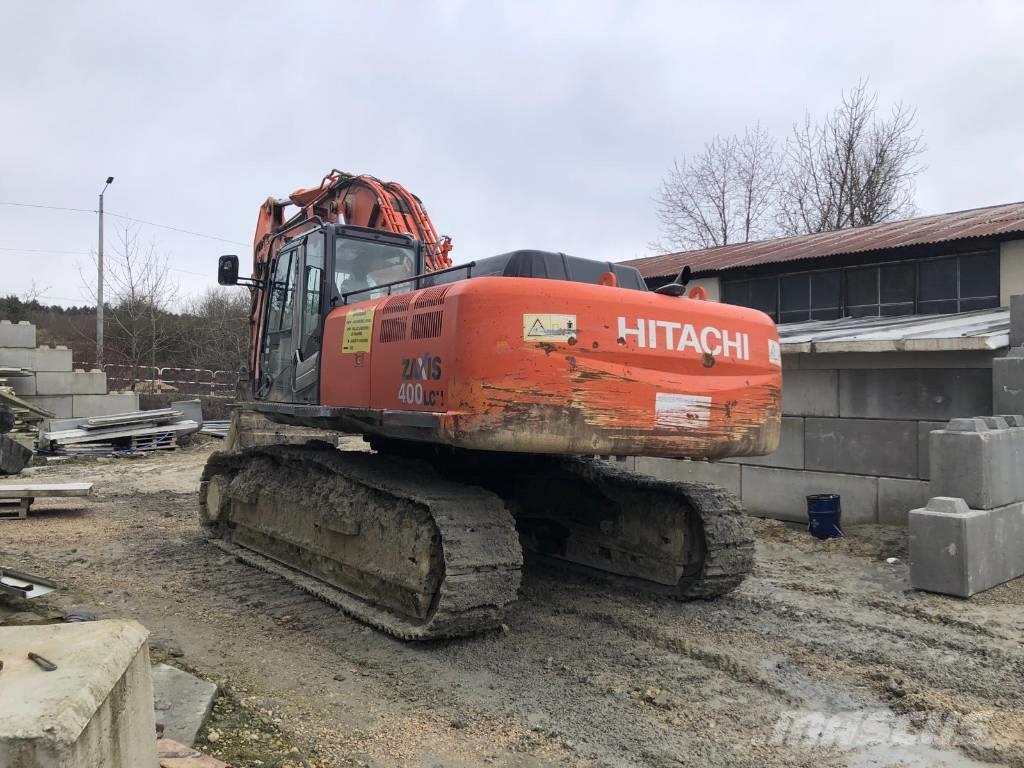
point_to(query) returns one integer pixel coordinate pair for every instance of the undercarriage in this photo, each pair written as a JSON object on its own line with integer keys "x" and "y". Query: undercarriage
{"x": 426, "y": 541}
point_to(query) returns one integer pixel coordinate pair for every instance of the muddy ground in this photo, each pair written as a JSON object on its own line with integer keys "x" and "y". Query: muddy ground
{"x": 823, "y": 658}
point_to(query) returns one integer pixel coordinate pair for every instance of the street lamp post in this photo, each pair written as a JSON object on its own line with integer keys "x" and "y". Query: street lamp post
{"x": 99, "y": 282}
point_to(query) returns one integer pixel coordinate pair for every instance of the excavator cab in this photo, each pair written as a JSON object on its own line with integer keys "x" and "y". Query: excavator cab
{"x": 308, "y": 277}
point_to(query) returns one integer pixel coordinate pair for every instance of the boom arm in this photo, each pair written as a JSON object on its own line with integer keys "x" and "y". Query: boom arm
{"x": 364, "y": 201}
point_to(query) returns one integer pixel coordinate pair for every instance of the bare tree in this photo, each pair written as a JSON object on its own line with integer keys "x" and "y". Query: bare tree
{"x": 142, "y": 328}
{"x": 723, "y": 195}
{"x": 851, "y": 169}
{"x": 217, "y": 337}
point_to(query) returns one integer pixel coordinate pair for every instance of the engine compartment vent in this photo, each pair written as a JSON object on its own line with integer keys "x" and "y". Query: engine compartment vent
{"x": 392, "y": 329}
{"x": 397, "y": 304}
{"x": 431, "y": 297}
{"x": 427, "y": 325}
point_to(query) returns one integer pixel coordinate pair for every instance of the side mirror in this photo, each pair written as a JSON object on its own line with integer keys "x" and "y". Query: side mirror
{"x": 227, "y": 270}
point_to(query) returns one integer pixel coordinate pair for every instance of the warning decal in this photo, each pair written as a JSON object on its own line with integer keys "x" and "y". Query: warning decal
{"x": 672, "y": 410}
{"x": 358, "y": 334}
{"x": 549, "y": 327}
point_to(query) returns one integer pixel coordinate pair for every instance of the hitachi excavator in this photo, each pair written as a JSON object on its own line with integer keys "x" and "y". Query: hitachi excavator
{"x": 485, "y": 391}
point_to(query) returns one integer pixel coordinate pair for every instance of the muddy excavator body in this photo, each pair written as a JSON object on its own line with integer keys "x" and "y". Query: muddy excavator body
{"x": 483, "y": 392}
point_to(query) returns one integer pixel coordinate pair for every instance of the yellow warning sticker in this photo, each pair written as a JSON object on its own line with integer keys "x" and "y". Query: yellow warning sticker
{"x": 358, "y": 336}
{"x": 549, "y": 327}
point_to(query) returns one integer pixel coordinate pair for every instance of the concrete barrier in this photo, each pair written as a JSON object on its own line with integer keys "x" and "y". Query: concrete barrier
{"x": 38, "y": 359}
{"x": 979, "y": 460}
{"x": 956, "y": 550}
{"x": 95, "y": 709}
{"x": 87, "y": 406}
{"x": 22, "y": 334}
{"x": 71, "y": 383}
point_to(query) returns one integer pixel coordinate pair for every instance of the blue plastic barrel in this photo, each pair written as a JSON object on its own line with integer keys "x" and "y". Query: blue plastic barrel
{"x": 824, "y": 515}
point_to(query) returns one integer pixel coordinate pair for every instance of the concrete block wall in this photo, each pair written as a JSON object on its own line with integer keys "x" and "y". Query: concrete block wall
{"x": 71, "y": 382}
{"x": 863, "y": 433}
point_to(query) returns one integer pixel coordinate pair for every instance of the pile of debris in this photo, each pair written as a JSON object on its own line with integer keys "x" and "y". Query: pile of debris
{"x": 120, "y": 433}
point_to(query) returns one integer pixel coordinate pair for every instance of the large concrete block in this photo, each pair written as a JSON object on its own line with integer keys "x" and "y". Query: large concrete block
{"x": 95, "y": 709}
{"x": 978, "y": 463}
{"x": 897, "y": 497}
{"x": 861, "y": 446}
{"x": 924, "y": 430}
{"x": 810, "y": 392}
{"x": 71, "y": 383}
{"x": 956, "y": 550}
{"x": 38, "y": 359}
{"x": 790, "y": 453}
{"x": 104, "y": 405}
{"x": 59, "y": 405}
{"x": 21, "y": 334}
{"x": 1008, "y": 382}
{"x": 782, "y": 493}
{"x": 725, "y": 475}
{"x": 22, "y": 385}
{"x": 915, "y": 393}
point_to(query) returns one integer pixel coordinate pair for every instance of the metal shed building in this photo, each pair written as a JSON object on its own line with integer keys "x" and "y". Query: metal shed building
{"x": 887, "y": 332}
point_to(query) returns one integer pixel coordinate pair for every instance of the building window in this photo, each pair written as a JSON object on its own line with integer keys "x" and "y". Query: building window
{"x": 925, "y": 286}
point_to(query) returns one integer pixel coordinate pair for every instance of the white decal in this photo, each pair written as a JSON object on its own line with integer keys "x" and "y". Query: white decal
{"x": 546, "y": 327}
{"x": 774, "y": 352}
{"x": 674, "y": 410}
{"x": 663, "y": 334}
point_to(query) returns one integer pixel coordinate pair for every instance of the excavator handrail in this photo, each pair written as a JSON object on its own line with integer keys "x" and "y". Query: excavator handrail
{"x": 468, "y": 266}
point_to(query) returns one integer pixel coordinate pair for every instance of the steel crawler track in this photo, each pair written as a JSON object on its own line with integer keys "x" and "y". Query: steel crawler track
{"x": 482, "y": 556}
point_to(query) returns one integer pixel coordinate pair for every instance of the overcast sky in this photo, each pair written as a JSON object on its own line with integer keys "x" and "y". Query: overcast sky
{"x": 520, "y": 124}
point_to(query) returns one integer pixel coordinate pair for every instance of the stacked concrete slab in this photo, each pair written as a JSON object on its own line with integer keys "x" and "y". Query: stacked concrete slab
{"x": 51, "y": 382}
{"x": 970, "y": 535}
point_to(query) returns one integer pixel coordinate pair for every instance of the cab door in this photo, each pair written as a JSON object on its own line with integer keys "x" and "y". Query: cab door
{"x": 308, "y": 321}
{"x": 290, "y": 366}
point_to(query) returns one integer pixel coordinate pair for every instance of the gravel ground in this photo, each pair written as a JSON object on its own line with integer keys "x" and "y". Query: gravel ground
{"x": 822, "y": 658}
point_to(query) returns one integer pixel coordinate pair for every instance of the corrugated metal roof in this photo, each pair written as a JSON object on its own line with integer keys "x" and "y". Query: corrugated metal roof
{"x": 985, "y": 329}
{"x": 978, "y": 222}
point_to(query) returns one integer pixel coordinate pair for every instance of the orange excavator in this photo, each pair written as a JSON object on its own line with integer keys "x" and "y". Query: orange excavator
{"x": 484, "y": 392}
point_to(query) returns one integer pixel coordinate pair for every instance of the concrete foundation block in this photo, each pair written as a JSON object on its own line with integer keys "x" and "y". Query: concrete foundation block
{"x": 21, "y": 334}
{"x": 59, "y": 405}
{"x": 22, "y": 385}
{"x": 182, "y": 702}
{"x": 790, "y": 453}
{"x": 862, "y": 446}
{"x": 71, "y": 383}
{"x": 915, "y": 393}
{"x": 897, "y": 497}
{"x": 95, "y": 709}
{"x": 87, "y": 406}
{"x": 924, "y": 430}
{"x": 782, "y": 493}
{"x": 810, "y": 392}
{"x": 982, "y": 465}
{"x": 956, "y": 550}
{"x": 725, "y": 475}
{"x": 38, "y": 359}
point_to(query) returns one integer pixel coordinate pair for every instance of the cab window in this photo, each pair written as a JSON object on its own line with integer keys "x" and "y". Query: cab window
{"x": 360, "y": 264}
